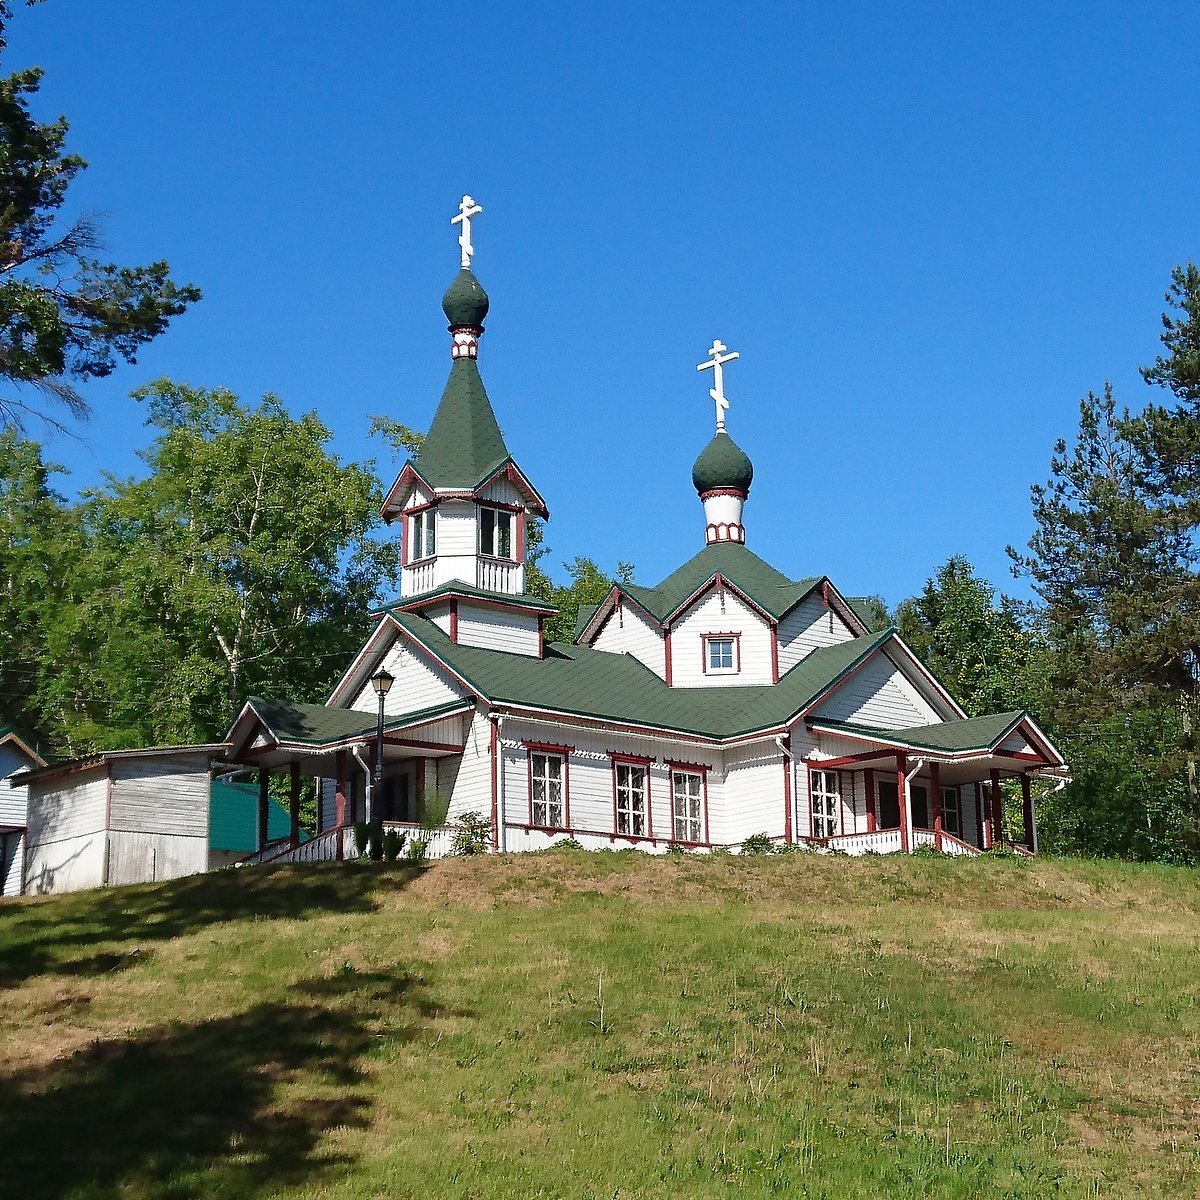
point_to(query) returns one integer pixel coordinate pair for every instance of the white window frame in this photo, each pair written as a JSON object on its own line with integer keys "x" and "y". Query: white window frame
{"x": 631, "y": 798}
{"x": 952, "y": 803}
{"x": 498, "y": 529}
{"x": 825, "y": 802}
{"x": 422, "y": 535}
{"x": 688, "y": 826}
{"x": 714, "y": 640}
{"x": 547, "y": 789}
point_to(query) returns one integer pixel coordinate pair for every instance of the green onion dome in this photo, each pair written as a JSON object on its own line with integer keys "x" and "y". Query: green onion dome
{"x": 722, "y": 464}
{"x": 465, "y": 301}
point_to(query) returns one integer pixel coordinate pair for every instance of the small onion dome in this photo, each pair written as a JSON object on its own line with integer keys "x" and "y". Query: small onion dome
{"x": 465, "y": 302}
{"x": 722, "y": 464}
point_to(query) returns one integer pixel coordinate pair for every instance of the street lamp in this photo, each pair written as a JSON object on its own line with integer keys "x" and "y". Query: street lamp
{"x": 382, "y": 682}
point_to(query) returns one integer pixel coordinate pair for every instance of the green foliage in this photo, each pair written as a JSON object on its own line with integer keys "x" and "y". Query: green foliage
{"x": 64, "y": 315}
{"x": 472, "y": 836}
{"x": 375, "y": 840}
{"x": 758, "y": 843}
{"x": 975, "y": 646}
{"x": 393, "y": 844}
{"x": 418, "y": 848}
{"x": 1179, "y": 369}
{"x": 401, "y": 439}
{"x": 242, "y": 563}
{"x": 362, "y": 838}
{"x": 434, "y": 808}
{"x": 569, "y": 843}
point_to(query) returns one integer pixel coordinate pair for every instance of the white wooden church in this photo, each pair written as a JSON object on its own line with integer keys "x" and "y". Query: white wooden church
{"x": 726, "y": 701}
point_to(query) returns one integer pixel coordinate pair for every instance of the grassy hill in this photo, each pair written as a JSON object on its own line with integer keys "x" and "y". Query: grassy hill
{"x": 570, "y": 1025}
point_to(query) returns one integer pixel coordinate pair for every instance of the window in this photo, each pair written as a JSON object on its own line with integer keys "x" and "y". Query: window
{"x": 546, "y": 779}
{"x": 630, "y": 781}
{"x": 495, "y": 532}
{"x": 721, "y": 654}
{"x": 826, "y": 799}
{"x": 951, "y": 813}
{"x": 687, "y": 799}
{"x": 422, "y": 541}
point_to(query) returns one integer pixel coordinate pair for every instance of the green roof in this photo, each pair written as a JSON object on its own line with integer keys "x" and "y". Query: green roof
{"x": 768, "y": 588}
{"x": 318, "y": 725}
{"x": 973, "y": 733}
{"x": 233, "y": 818}
{"x": 464, "y": 445}
{"x": 583, "y": 616}
{"x": 722, "y": 464}
{"x": 617, "y": 687}
{"x": 458, "y": 588}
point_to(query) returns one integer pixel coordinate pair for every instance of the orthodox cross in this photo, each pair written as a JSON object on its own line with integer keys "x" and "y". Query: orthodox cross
{"x": 466, "y": 210}
{"x": 716, "y": 364}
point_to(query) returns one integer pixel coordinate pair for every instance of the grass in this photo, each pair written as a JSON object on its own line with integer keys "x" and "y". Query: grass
{"x": 572, "y": 1025}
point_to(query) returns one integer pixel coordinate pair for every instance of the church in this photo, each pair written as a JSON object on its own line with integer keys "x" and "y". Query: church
{"x": 725, "y": 702}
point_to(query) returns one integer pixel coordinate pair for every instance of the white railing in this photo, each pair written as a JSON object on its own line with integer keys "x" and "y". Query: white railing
{"x": 496, "y": 575}
{"x": 418, "y": 578}
{"x": 324, "y": 847}
{"x": 268, "y": 852}
{"x": 882, "y": 841}
{"x": 955, "y": 845}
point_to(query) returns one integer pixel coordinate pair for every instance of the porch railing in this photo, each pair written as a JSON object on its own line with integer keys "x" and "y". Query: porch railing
{"x": 882, "y": 841}
{"x": 325, "y": 846}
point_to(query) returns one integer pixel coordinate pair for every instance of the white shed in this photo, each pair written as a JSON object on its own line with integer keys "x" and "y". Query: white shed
{"x": 16, "y": 756}
{"x": 125, "y": 816}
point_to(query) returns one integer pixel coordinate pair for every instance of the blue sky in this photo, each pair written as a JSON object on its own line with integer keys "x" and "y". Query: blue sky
{"x": 928, "y": 229}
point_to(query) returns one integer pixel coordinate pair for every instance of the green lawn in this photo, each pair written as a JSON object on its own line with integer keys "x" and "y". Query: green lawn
{"x": 608, "y": 1026}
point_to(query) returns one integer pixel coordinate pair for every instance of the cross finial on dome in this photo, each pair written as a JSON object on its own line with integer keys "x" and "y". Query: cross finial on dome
{"x": 466, "y": 210}
{"x": 716, "y": 364}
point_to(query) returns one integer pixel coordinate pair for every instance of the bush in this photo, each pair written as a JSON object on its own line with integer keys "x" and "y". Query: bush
{"x": 417, "y": 849}
{"x": 375, "y": 840}
{"x": 567, "y": 844}
{"x": 473, "y": 835}
{"x": 393, "y": 843}
{"x": 758, "y": 843}
{"x": 362, "y": 836}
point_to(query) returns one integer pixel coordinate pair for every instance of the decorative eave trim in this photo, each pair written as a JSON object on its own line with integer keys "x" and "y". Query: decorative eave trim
{"x": 924, "y": 673}
{"x": 517, "y": 477}
{"x": 719, "y": 579}
{"x": 604, "y": 610}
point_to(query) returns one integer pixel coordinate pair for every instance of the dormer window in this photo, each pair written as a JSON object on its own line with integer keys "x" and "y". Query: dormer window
{"x": 722, "y": 654}
{"x": 495, "y": 532}
{"x": 422, "y": 535}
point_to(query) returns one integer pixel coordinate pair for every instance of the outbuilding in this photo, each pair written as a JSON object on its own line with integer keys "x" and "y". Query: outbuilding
{"x": 124, "y": 816}
{"x": 17, "y": 755}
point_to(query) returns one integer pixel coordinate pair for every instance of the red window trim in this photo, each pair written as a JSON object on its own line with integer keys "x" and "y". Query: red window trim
{"x": 633, "y": 760}
{"x": 564, "y": 753}
{"x": 516, "y": 542}
{"x": 733, "y": 636}
{"x": 812, "y": 828}
{"x": 406, "y": 535}
{"x": 702, "y": 770}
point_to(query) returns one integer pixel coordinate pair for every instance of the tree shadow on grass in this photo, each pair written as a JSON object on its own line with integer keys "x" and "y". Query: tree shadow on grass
{"x": 234, "y": 1107}
{"x": 95, "y": 932}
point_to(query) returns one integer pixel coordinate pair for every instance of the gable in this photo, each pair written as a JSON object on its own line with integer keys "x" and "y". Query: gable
{"x": 810, "y": 624}
{"x": 878, "y": 694}
{"x": 419, "y": 682}
{"x": 627, "y": 630}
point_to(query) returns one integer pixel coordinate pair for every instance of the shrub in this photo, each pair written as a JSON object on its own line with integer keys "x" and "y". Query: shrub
{"x": 393, "y": 843}
{"x": 434, "y": 809}
{"x": 375, "y": 840}
{"x": 417, "y": 849}
{"x": 758, "y": 843}
{"x": 361, "y": 837}
{"x": 566, "y": 844}
{"x": 473, "y": 835}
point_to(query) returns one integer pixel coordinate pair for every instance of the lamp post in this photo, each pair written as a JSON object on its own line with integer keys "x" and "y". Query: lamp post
{"x": 382, "y": 682}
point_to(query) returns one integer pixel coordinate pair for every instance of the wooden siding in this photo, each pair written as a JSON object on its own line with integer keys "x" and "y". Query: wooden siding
{"x": 439, "y": 614}
{"x": 706, "y": 617}
{"x": 418, "y": 684}
{"x": 590, "y": 779}
{"x": 628, "y": 631}
{"x": 878, "y": 694}
{"x": 1015, "y": 743}
{"x": 70, "y": 806}
{"x": 469, "y": 778}
{"x": 12, "y": 863}
{"x": 502, "y": 491}
{"x": 14, "y": 801}
{"x": 497, "y": 629}
{"x": 148, "y": 857}
{"x": 67, "y": 864}
{"x": 166, "y": 796}
{"x": 809, "y": 625}
{"x": 749, "y": 799}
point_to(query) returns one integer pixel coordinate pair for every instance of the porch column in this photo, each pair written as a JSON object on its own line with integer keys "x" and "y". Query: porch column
{"x": 983, "y": 826}
{"x": 294, "y": 809}
{"x": 340, "y": 799}
{"x": 902, "y": 796}
{"x": 997, "y": 809}
{"x": 869, "y": 786}
{"x": 935, "y": 795}
{"x": 419, "y": 798}
{"x": 788, "y": 835}
{"x": 264, "y": 806}
{"x": 1027, "y": 812}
